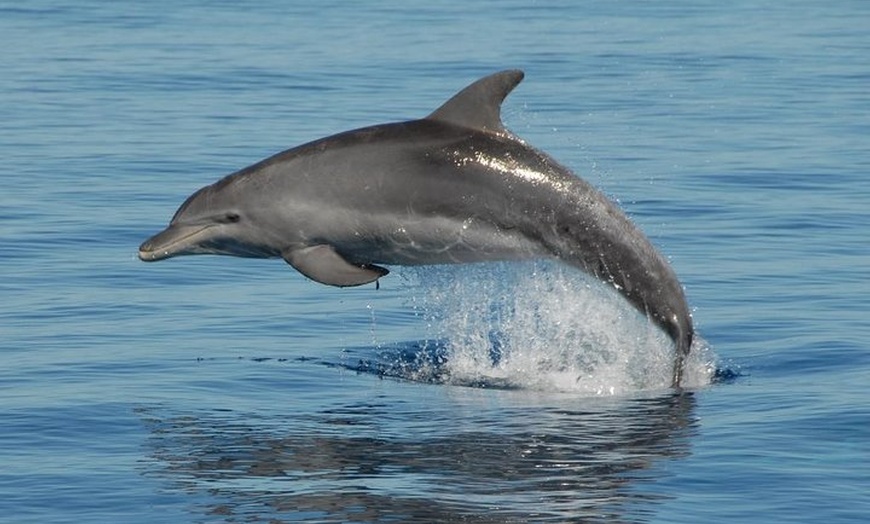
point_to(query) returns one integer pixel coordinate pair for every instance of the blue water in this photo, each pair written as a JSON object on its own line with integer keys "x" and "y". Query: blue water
{"x": 217, "y": 389}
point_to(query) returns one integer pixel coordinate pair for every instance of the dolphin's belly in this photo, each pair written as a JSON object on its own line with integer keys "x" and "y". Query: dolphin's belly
{"x": 441, "y": 241}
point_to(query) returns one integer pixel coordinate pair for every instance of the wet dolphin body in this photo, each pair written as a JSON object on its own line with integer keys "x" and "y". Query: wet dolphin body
{"x": 453, "y": 187}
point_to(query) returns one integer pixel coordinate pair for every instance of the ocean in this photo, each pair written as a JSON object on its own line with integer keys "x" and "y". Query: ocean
{"x": 216, "y": 389}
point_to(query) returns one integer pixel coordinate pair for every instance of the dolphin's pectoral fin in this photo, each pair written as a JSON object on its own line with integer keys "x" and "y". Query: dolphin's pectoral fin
{"x": 323, "y": 264}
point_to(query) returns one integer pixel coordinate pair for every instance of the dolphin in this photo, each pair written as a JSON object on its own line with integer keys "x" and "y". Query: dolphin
{"x": 453, "y": 187}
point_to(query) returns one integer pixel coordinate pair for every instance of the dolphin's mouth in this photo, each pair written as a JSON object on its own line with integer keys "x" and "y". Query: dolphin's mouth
{"x": 172, "y": 241}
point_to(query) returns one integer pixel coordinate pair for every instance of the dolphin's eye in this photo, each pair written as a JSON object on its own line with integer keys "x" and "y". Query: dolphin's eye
{"x": 231, "y": 218}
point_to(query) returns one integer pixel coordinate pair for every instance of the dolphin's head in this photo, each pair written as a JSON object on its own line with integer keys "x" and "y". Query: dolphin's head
{"x": 208, "y": 222}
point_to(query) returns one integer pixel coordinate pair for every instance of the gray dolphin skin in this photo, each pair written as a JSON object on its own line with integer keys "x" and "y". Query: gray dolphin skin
{"x": 454, "y": 187}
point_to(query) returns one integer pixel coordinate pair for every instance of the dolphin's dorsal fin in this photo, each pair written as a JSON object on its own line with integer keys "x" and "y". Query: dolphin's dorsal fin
{"x": 478, "y": 106}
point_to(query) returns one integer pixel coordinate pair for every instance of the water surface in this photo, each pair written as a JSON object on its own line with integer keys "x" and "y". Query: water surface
{"x": 212, "y": 389}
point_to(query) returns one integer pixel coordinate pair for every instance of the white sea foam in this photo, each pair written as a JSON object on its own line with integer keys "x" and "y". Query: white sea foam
{"x": 543, "y": 326}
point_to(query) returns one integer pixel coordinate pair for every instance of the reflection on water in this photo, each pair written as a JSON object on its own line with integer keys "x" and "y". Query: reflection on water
{"x": 515, "y": 457}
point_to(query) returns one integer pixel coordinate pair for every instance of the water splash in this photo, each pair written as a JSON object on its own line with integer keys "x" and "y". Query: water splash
{"x": 542, "y": 326}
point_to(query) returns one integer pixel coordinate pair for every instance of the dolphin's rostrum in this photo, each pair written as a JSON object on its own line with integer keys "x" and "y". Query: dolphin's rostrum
{"x": 453, "y": 187}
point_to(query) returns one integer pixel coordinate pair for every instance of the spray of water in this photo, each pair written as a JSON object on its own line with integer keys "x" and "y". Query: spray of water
{"x": 542, "y": 326}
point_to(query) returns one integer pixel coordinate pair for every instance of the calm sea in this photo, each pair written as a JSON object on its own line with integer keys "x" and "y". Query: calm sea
{"x": 218, "y": 389}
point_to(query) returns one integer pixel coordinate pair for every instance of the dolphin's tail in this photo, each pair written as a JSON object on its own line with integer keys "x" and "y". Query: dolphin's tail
{"x": 671, "y": 313}
{"x": 683, "y": 343}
